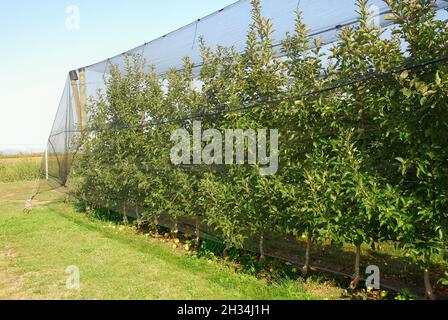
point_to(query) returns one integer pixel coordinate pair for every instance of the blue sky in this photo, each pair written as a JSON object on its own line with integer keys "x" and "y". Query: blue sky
{"x": 38, "y": 50}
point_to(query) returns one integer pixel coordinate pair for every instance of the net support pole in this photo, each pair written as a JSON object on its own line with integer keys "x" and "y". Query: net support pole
{"x": 46, "y": 162}
{"x": 83, "y": 97}
{"x": 74, "y": 85}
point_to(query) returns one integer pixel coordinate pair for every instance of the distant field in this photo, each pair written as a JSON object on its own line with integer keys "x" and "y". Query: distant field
{"x": 21, "y": 156}
{"x": 19, "y": 167}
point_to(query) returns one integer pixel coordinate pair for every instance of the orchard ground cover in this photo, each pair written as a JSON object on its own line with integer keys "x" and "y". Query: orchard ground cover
{"x": 114, "y": 261}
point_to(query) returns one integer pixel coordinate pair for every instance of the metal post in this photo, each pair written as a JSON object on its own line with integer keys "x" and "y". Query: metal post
{"x": 75, "y": 91}
{"x": 83, "y": 97}
{"x": 46, "y": 162}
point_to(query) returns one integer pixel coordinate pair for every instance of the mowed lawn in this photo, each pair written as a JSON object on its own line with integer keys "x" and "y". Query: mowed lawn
{"x": 114, "y": 262}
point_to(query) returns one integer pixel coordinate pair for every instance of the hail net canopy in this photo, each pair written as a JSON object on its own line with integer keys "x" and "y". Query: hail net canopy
{"x": 226, "y": 27}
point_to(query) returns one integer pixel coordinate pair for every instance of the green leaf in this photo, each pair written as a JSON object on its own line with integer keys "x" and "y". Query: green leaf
{"x": 438, "y": 79}
{"x": 390, "y": 17}
{"x": 406, "y": 92}
{"x": 404, "y": 75}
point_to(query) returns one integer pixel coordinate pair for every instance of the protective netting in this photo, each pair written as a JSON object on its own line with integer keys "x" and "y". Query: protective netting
{"x": 226, "y": 28}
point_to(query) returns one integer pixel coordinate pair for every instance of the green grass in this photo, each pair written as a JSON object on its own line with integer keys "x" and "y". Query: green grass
{"x": 114, "y": 262}
{"x": 19, "y": 169}
{"x": 118, "y": 263}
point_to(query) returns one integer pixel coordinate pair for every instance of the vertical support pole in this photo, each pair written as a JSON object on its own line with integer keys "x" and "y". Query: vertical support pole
{"x": 74, "y": 84}
{"x": 83, "y": 97}
{"x": 46, "y": 162}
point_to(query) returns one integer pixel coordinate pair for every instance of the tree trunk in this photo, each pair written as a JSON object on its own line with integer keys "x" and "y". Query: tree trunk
{"x": 226, "y": 251}
{"x": 357, "y": 276}
{"x": 125, "y": 214}
{"x": 306, "y": 267}
{"x": 197, "y": 233}
{"x": 139, "y": 219}
{"x": 156, "y": 224}
{"x": 137, "y": 213}
{"x": 428, "y": 287}
{"x": 261, "y": 247}
{"x": 176, "y": 229}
